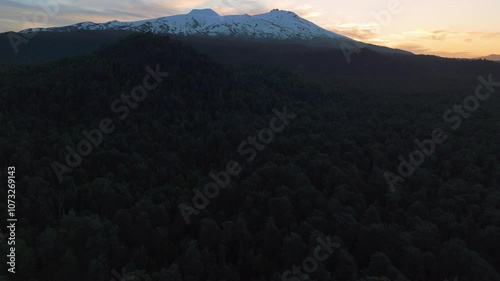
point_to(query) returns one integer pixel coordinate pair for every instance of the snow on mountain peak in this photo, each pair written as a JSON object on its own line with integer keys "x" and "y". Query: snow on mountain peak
{"x": 203, "y": 12}
{"x": 277, "y": 24}
{"x": 282, "y": 12}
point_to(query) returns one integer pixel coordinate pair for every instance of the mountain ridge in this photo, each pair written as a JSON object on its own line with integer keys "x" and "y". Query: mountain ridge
{"x": 493, "y": 57}
{"x": 276, "y": 24}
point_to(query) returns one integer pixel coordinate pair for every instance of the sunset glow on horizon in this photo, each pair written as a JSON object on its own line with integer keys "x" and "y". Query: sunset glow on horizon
{"x": 449, "y": 28}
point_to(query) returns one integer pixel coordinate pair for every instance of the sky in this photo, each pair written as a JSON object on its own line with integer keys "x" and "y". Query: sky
{"x": 449, "y": 28}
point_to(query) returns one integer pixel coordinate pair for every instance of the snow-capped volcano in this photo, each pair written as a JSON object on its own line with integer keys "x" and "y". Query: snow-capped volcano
{"x": 276, "y": 24}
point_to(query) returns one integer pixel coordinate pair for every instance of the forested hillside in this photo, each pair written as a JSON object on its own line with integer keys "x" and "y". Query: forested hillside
{"x": 321, "y": 177}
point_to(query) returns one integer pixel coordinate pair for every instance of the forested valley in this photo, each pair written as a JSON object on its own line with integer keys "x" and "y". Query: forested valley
{"x": 116, "y": 215}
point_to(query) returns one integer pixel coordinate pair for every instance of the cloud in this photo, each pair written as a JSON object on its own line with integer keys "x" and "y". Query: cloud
{"x": 450, "y": 35}
{"x": 454, "y": 54}
{"x": 355, "y": 31}
{"x": 440, "y": 34}
{"x": 412, "y": 47}
{"x": 490, "y": 34}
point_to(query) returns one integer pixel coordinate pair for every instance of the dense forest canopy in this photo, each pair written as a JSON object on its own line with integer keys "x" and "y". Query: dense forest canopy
{"x": 320, "y": 178}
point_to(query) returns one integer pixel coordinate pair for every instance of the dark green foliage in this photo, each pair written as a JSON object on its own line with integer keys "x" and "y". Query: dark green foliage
{"x": 322, "y": 176}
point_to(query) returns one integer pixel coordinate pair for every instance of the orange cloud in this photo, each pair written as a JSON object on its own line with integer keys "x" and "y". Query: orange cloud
{"x": 412, "y": 47}
{"x": 355, "y": 31}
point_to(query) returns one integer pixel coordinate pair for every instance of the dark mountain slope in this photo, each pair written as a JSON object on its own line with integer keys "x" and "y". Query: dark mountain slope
{"x": 317, "y": 62}
{"x": 45, "y": 47}
{"x": 322, "y": 176}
